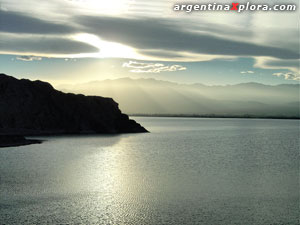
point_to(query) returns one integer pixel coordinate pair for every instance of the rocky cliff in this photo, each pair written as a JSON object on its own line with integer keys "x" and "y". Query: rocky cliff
{"x": 36, "y": 108}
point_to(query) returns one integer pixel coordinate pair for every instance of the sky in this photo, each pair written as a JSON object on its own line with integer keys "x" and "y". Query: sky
{"x": 74, "y": 41}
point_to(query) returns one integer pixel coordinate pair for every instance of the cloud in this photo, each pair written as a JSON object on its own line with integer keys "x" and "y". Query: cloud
{"x": 39, "y": 37}
{"x": 158, "y": 34}
{"x": 288, "y": 76}
{"x": 28, "y": 58}
{"x": 172, "y": 37}
{"x": 161, "y": 54}
{"x": 247, "y": 72}
{"x": 42, "y": 45}
{"x": 15, "y": 22}
{"x": 273, "y": 63}
{"x": 138, "y": 67}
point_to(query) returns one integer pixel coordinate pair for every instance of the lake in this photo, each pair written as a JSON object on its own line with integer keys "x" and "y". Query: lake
{"x": 186, "y": 171}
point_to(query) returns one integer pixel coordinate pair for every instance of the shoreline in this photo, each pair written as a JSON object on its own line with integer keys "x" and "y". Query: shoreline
{"x": 216, "y": 116}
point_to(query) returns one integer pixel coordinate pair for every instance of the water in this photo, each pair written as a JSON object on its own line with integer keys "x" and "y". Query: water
{"x": 186, "y": 171}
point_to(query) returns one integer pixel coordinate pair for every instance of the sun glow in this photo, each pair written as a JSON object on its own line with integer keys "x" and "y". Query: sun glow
{"x": 106, "y": 49}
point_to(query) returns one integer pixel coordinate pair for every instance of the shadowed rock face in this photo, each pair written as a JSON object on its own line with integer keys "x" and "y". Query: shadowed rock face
{"x": 36, "y": 108}
{"x": 16, "y": 140}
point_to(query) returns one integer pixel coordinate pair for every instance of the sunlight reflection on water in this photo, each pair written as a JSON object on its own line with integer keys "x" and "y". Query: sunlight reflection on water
{"x": 186, "y": 171}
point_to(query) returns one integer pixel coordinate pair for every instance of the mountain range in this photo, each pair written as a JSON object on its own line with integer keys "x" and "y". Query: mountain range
{"x": 151, "y": 96}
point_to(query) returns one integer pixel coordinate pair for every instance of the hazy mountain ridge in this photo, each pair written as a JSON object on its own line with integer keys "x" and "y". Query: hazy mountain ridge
{"x": 150, "y": 96}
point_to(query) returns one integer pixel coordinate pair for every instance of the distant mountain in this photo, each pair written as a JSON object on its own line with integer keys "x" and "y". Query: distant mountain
{"x": 150, "y": 96}
{"x": 35, "y": 107}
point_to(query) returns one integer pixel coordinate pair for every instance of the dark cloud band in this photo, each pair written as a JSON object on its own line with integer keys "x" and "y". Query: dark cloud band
{"x": 151, "y": 37}
{"x": 162, "y": 35}
{"x": 44, "y": 45}
{"x": 14, "y": 22}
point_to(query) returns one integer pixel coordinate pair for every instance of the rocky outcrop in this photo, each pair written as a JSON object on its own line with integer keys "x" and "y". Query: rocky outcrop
{"x": 36, "y": 108}
{"x": 15, "y": 140}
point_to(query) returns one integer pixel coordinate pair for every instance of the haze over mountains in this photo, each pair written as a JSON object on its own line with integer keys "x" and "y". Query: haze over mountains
{"x": 150, "y": 96}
